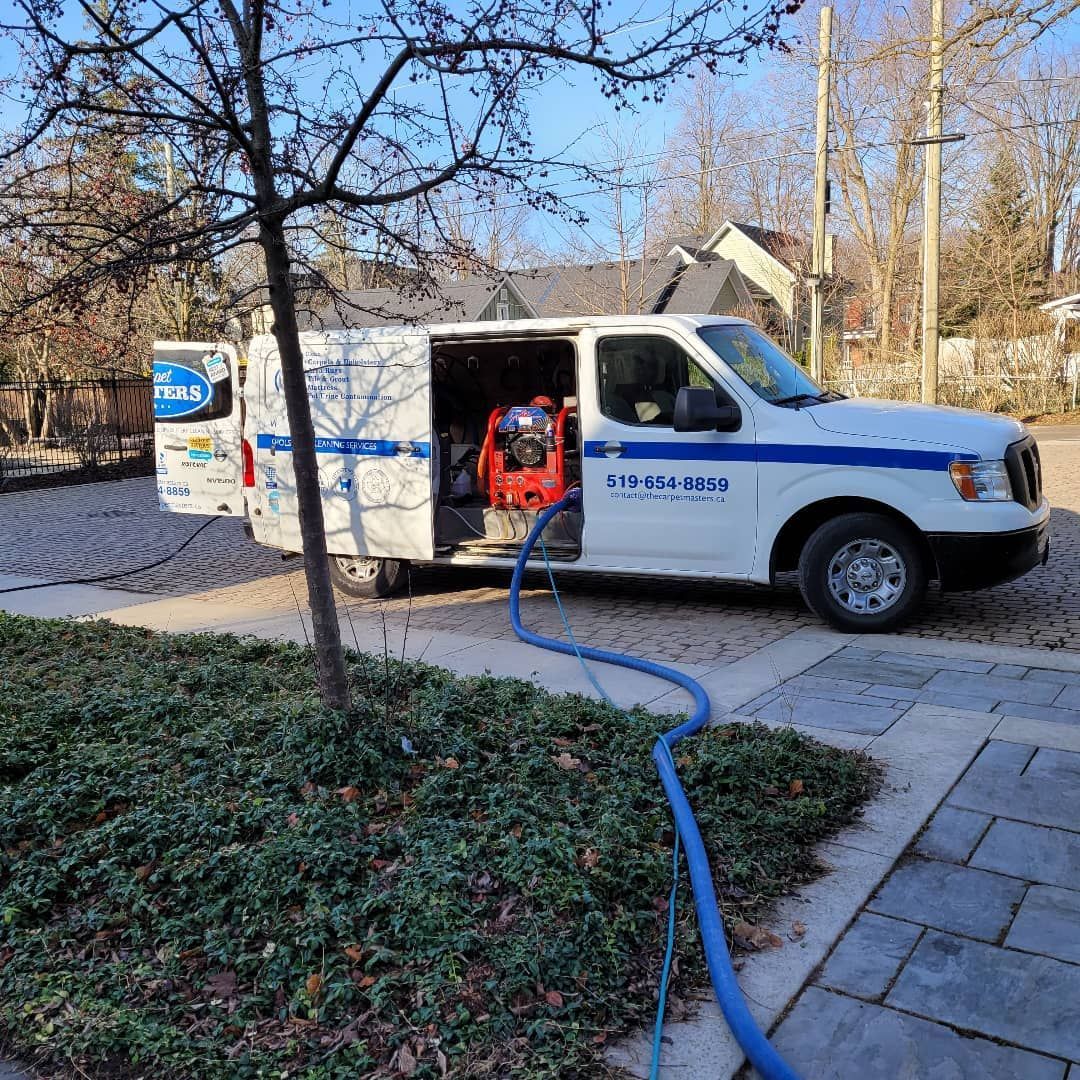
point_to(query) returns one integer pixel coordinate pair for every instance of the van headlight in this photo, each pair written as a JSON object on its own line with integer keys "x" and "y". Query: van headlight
{"x": 981, "y": 481}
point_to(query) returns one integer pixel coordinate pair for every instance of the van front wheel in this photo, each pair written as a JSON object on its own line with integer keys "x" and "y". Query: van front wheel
{"x": 367, "y": 578}
{"x": 862, "y": 573}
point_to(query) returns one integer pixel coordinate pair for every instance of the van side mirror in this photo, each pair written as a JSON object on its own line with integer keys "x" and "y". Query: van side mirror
{"x": 696, "y": 409}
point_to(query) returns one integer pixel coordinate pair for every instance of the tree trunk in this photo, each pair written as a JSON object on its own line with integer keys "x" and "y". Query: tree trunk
{"x": 888, "y": 278}
{"x": 329, "y": 658}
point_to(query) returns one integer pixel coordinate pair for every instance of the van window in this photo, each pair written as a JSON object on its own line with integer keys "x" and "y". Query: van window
{"x": 640, "y": 376}
{"x": 760, "y": 363}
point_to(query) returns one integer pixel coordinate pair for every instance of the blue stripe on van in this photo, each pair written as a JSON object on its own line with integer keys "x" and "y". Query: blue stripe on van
{"x": 870, "y": 457}
{"x": 357, "y": 447}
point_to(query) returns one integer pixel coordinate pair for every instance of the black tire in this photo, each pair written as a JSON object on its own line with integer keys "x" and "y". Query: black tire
{"x": 863, "y": 573}
{"x": 368, "y": 579}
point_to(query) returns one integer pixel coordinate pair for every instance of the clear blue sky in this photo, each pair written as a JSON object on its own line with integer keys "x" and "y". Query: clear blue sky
{"x": 569, "y": 108}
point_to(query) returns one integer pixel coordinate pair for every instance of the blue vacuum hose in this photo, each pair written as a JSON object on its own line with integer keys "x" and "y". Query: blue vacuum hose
{"x": 749, "y": 1036}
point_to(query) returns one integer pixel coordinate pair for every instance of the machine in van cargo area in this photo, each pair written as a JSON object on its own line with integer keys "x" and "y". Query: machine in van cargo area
{"x": 700, "y": 449}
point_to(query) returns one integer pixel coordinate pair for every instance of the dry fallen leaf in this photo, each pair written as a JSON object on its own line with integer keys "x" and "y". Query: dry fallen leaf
{"x": 797, "y": 932}
{"x": 566, "y": 761}
{"x": 442, "y": 1062}
{"x": 406, "y": 1063}
{"x": 354, "y": 952}
{"x": 349, "y": 794}
{"x": 450, "y": 763}
{"x": 755, "y": 937}
{"x": 590, "y": 857}
{"x": 367, "y": 980}
{"x": 554, "y": 999}
{"x": 222, "y": 984}
{"x": 795, "y": 788}
{"x": 313, "y": 984}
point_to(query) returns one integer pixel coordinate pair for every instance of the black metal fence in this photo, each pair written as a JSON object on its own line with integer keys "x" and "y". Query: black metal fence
{"x": 81, "y": 426}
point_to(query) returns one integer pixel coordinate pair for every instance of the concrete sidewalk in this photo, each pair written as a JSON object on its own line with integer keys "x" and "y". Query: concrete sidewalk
{"x": 888, "y": 979}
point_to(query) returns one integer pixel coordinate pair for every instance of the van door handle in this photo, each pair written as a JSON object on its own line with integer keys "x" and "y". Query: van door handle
{"x": 405, "y": 449}
{"x": 611, "y": 449}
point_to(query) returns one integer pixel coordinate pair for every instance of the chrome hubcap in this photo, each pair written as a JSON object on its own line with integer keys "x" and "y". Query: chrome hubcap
{"x": 359, "y": 568}
{"x": 867, "y": 576}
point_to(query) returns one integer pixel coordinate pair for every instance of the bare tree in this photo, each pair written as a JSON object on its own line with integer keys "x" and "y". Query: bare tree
{"x": 1036, "y": 110}
{"x": 736, "y": 155}
{"x": 409, "y": 95}
{"x": 621, "y": 278}
{"x": 695, "y": 198}
{"x": 878, "y": 111}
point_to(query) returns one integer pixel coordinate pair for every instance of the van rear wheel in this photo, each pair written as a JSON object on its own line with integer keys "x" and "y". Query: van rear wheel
{"x": 862, "y": 573}
{"x": 367, "y": 578}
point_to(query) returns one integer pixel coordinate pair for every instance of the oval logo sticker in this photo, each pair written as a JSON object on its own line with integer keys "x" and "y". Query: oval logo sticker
{"x": 179, "y": 390}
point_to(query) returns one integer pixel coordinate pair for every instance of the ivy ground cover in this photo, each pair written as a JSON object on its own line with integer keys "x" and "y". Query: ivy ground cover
{"x": 205, "y": 873}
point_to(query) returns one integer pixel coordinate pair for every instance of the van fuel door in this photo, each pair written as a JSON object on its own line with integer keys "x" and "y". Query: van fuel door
{"x": 197, "y": 428}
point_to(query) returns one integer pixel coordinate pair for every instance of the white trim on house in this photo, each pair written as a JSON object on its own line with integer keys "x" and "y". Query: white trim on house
{"x": 728, "y": 226}
{"x": 1065, "y": 307}
{"x": 687, "y": 257}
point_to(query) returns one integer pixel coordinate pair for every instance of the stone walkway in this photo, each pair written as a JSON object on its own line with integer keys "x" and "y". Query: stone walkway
{"x": 965, "y": 963}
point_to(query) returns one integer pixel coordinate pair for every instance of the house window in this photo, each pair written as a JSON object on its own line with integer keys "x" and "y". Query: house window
{"x": 502, "y": 306}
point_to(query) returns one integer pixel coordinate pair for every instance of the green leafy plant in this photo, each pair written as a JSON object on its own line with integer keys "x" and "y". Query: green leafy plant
{"x": 205, "y": 873}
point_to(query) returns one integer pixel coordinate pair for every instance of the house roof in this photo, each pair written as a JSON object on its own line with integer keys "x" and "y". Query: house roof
{"x": 784, "y": 247}
{"x": 667, "y": 284}
{"x": 601, "y": 288}
{"x": 698, "y": 285}
{"x": 787, "y": 250}
{"x": 457, "y": 301}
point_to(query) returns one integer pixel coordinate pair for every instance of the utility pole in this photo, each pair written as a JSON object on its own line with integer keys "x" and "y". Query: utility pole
{"x": 932, "y": 206}
{"x": 821, "y": 181}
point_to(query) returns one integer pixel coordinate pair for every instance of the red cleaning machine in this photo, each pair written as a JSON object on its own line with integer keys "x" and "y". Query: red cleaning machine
{"x": 524, "y": 454}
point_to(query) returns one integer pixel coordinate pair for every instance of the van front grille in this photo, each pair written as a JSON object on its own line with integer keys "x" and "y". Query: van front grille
{"x": 1025, "y": 472}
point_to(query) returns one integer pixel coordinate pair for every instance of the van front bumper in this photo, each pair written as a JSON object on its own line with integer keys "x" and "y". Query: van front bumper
{"x": 979, "y": 560}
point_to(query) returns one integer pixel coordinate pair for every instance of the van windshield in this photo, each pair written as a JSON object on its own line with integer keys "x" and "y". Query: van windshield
{"x": 763, "y": 365}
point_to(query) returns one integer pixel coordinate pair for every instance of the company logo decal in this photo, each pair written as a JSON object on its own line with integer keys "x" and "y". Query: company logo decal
{"x": 179, "y": 390}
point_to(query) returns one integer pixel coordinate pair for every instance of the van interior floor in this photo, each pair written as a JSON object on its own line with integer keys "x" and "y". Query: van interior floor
{"x": 490, "y": 531}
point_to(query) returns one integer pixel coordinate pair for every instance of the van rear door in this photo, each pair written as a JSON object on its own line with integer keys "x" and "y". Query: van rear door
{"x": 197, "y": 428}
{"x": 370, "y": 394}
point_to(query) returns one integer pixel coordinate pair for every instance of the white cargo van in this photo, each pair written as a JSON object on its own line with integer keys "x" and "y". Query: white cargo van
{"x": 700, "y": 448}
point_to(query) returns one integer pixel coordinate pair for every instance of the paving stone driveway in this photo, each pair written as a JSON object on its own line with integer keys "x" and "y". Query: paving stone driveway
{"x": 100, "y": 528}
{"x": 966, "y": 962}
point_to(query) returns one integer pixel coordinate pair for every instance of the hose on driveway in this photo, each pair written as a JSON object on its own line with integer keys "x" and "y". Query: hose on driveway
{"x": 755, "y": 1045}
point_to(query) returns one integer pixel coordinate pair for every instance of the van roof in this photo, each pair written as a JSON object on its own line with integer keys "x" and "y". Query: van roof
{"x": 540, "y": 326}
{"x": 492, "y": 328}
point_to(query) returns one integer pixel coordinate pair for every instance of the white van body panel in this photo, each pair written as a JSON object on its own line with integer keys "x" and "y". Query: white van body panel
{"x": 197, "y": 428}
{"x": 370, "y": 393}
